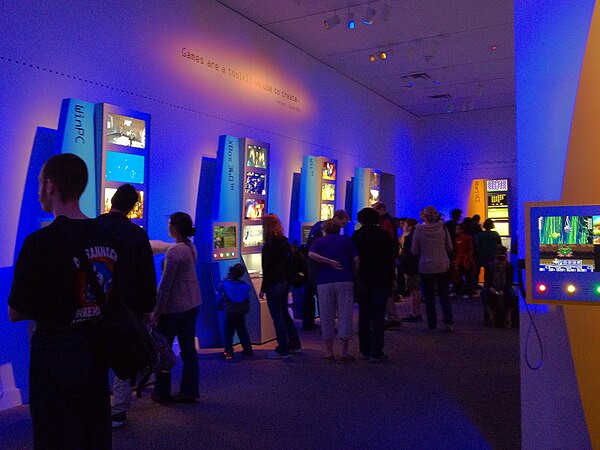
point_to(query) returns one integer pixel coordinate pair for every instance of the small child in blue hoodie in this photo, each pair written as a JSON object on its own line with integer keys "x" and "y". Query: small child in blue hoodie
{"x": 236, "y": 305}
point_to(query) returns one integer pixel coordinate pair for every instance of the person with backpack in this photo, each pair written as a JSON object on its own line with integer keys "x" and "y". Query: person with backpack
{"x": 139, "y": 283}
{"x": 234, "y": 297}
{"x": 338, "y": 263}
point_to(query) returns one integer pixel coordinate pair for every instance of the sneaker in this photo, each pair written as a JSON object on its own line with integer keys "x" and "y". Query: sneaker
{"x": 466, "y": 296}
{"x": 412, "y": 318}
{"x": 448, "y": 327}
{"x": 347, "y": 359}
{"x": 378, "y": 359}
{"x": 276, "y": 355}
{"x": 228, "y": 355}
{"x": 295, "y": 351}
{"x": 392, "y": 324}
{"x": 159, "y": 399}
{"x": 119, "y": 419}
{"x": 182, "y": 398}
{"x": 330, "y": 359}
{"x": 248, "y": 352}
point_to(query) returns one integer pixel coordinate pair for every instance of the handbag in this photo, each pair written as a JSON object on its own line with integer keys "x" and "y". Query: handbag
{"x": 165, "y": 356}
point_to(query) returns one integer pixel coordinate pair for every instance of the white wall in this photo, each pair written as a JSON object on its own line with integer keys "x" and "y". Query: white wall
{"x": 130, "y": 54}
{"x": 454, "y": 149}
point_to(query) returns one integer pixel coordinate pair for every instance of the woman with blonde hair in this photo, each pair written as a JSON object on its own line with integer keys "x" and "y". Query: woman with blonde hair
{"x": 275, "y": 286}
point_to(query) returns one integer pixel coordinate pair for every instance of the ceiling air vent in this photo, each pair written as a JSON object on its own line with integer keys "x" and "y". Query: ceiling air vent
{"x": 417, "y": 76}
{"x": 440, "y": 96}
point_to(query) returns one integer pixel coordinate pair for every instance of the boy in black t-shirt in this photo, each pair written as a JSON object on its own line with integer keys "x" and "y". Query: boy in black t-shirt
{"x": 69, "y": 398}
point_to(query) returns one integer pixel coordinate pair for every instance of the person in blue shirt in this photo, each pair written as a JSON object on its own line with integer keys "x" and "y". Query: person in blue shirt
{"x": 236, "y": 305}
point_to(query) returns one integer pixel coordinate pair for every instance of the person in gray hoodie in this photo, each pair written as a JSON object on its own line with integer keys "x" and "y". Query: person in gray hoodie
{"x": 431, "y": 242}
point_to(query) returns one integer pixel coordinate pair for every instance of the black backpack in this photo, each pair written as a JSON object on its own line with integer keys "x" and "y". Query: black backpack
{"x": 298, "y": 267}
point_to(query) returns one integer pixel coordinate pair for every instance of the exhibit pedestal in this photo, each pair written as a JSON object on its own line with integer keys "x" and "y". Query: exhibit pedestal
{"x": 10, "y": 396}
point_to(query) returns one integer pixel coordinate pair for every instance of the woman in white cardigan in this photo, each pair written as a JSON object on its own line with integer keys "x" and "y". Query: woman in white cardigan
{"x": 431, "y": 243}
{"x": 176, "y": 309}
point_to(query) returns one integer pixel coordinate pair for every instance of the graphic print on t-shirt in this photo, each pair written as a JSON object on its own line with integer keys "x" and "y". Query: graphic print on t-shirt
{"x": 103, "y": 261}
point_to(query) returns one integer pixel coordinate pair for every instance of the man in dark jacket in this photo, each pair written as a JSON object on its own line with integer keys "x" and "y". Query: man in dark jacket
{"x": 139, "y": 285}
{"x": 374, "y": 282}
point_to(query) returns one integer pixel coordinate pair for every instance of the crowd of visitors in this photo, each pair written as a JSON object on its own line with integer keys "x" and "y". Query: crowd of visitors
{"x": 424, "y": 261}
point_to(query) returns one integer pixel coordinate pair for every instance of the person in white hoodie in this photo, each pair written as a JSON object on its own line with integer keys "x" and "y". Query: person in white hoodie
{"x": 431, "y": 242}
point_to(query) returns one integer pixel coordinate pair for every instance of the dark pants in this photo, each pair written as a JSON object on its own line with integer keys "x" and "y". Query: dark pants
{"x": 371, "y": 318}
{"x": 236, "y": 322}
{"x": 69, "y": 399}
{"x": 285, "y": 330}
{"x": 308, "y": 305}
{"x": 430, "y": 282}
{"x": 183, "y": 326}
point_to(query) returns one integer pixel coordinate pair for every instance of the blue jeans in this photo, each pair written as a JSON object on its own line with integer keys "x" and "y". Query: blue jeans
{"x": 371, "y": 317}
{"x": 182, "y": 325}
{"x": 285, "y": 330}
{"x": 430, "y": 281}
{"x": 69, "y": 399}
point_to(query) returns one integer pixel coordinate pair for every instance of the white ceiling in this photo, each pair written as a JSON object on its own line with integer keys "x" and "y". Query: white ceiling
{"x": 464, "y": 47}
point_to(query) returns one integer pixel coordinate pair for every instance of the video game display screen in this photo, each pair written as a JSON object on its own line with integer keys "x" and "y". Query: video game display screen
{"x": 569, "y": 243}
{"x": 328, "y": 192}
{"x": 374, "y": 182}
{"x": 224, "y": 236}
{"x": 254, "y": 209}
{"x": 257, "y": 157}
{"x": 326, "y": 211}
{"x": 138, "y": 210}
{"x": 252, "y": 236}
{"x": 329, "y": 171}
{"x": 255, "y": 183}
{"x": 126, "y": 131}
{"x": 124, "y": 167}
{"x": 373, "y": 196}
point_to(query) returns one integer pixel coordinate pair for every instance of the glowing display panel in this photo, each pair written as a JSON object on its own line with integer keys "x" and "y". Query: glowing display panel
{"x": 255, "y": 183}
{"x": 138, "y": 210}
{"x": 252, "y": 236}
{"x": 254, "y": 209}
{"x": 124, "y": 167}
{"x": 563, "y": 258}
{"x": 326, "y": 211}
{"x": 257, "y": 157}
{"x": 125, "y": 131}
{"x": 328, "y": 191}
{"x": 329, "y": 171}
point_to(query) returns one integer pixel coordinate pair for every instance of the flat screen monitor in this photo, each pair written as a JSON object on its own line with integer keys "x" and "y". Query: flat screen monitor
{"x": 252, "y": 236}
{"x": 224, "y": 240}
{"x": 329, "y": 170}
{"x": 306, "y": 232}
{"x": 328, "y": 192}
{"x": 124, "y": 167}
{"x": 138, "y": 209}
{"x": 125, "y": 131}
{"x": 326, "y": 211}
{"x": 254, "y": 209}
{"x": 373, "y": 196}
{"x": 255, "y": 183}
{"x": 502, "y": 228}
{"x": 257, "y": 157}
{"x": 374, "y": 182}
{"x": 563, "y": 258}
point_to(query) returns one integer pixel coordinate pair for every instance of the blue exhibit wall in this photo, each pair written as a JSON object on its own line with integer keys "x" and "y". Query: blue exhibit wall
{"x": 550, "y": 41}
{"x": 456, "y": 148}
{"x": 200, "y": 70}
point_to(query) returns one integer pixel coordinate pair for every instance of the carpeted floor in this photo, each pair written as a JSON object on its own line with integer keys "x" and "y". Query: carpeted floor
{"x": 457, "y": 390}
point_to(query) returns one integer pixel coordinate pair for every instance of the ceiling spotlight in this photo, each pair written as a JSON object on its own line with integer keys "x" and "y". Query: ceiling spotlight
{"x": 373, "y": 58}
{"x": 383, "y": 55}
{"x": 350, "y": 20}
{"x": 332, "y": 22}
{"x": 369, "y": 16}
